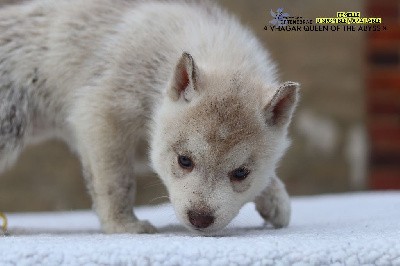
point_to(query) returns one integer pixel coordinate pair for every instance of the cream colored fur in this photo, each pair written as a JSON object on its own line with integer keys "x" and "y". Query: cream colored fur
{"x": 104, "y": 75}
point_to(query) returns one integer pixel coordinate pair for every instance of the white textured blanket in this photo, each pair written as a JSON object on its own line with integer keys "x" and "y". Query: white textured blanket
{"x": 351, "y": 229}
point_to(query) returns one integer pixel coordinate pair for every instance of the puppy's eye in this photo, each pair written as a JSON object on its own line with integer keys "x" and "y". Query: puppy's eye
{"x": 185, "y": 162}
{"x": 239, "y": 174}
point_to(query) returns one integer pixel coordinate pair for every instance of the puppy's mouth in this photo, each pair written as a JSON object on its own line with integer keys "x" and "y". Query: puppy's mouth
{"x": 210, "y": 231}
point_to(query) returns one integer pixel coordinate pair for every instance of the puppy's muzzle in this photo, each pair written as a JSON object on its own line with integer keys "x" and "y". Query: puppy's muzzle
{"x": 200, "y": 219}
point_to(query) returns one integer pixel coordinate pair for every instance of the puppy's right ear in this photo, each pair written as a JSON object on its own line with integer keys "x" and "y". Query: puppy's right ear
{"x": 278, "y": 112}
{"x": 184, "y": 80}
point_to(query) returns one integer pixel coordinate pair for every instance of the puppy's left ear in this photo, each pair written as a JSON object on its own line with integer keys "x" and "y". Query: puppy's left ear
{"x": 184, "y": 80}
{"x": 278, "y": 112}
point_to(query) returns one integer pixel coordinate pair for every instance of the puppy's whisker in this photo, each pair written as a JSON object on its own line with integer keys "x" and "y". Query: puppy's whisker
{"x": 151, "y": 185}
{"x": 158, "y": 198}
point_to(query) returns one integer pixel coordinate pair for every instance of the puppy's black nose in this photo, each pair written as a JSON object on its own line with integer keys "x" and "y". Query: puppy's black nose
{"x": 200, "y": 219}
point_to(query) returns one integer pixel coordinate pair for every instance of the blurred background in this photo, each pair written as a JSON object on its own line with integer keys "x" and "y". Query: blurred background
{"x": 346, "y": 131}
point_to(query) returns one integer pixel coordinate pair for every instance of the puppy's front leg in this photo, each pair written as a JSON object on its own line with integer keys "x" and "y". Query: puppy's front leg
{"x": 112, "y": 186}
{"x": 273, "y": 204}
{"x": 106, "y": 146}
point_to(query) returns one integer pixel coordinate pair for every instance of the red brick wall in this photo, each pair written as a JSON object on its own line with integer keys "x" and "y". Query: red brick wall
{"x": 383, "y": 95}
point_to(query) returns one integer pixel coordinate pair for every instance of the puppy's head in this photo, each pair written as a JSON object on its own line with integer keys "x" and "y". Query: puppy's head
{"x": 217, "y": 138}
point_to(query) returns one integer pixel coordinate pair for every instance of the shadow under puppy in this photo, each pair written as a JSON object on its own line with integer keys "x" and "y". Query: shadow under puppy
{"x": 104, "y": 76}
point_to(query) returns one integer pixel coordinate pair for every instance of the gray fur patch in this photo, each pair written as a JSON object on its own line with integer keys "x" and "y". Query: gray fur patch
{"x": 13, "y": 118}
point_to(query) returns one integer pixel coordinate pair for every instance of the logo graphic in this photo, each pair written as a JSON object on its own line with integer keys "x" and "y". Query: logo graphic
{"x": 280, "y": 18}
{"x": 344, "y": 21}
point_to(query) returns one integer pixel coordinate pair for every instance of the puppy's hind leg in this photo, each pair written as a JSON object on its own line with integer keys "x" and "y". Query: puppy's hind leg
{"x": 273, "y": 204}
{"x": 13, "y": 124}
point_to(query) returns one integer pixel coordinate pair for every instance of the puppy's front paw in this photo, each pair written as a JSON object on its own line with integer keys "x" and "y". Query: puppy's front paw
{"x": 131, "y": 227}
{"x": 273, "y": 204}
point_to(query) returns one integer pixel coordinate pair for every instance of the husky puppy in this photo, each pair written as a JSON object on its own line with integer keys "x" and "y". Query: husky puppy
{"x": 106, "y": 75}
